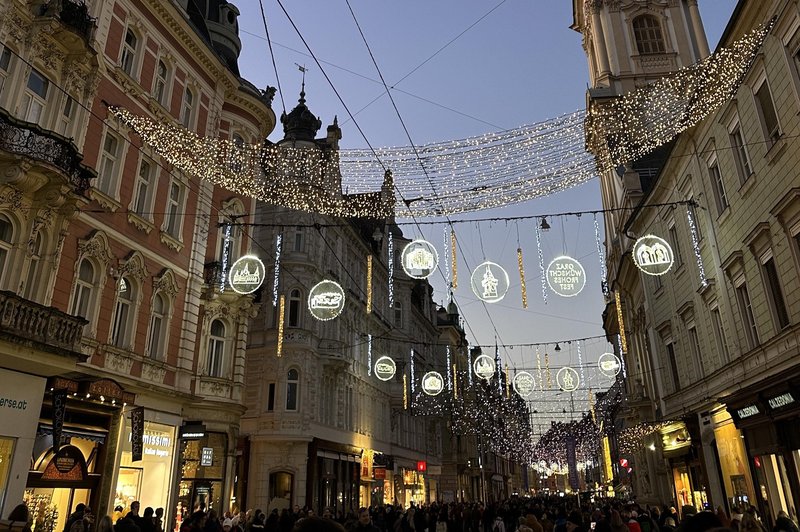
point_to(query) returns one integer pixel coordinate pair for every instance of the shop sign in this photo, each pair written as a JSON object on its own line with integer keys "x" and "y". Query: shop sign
{"x": 247, "y": 274}
{"x": 385, "y": 368}
{"x": 748, "y": 411}
{"x": 419, "y": 259}
{"x": 192, "y": 431}
{"x": 68, "y": 464}
{"x": 379, "y": 473}
{"x": 207, "y": 456}
{"x": 422, "y": 466}
{"x": 565, "y": 276}
{"x": 137, "y": 433}
{"x": 780, "y": 401}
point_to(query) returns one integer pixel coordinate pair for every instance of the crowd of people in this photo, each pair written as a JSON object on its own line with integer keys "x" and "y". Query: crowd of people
{"x": 516, "y": 515}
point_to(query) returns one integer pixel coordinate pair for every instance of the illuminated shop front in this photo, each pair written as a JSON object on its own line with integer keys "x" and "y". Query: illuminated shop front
{"x": 414, "y": 487}
{"x": 688, "y": 478}
{"x": 334, "y": 477}
{"x": 147, "y": 480}
{"x": 201, "y": 474}
{"x": 736, "y": 477}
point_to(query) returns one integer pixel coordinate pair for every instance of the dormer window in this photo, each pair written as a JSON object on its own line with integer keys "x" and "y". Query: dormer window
{"x": 648, "y": 35}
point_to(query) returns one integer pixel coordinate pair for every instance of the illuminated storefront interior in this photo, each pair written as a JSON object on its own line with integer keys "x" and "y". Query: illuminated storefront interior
{"x": 149, "y": 479}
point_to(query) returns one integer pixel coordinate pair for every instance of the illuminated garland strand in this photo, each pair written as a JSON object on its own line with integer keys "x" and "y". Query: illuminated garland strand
{"x": 369, "y": 355}
{"x": 453, "y": 256}
{"x": 226, "y": 253}
{"x": 547, "y": 370}
{"x": 539, "y": 366}
{"x": 455, "y": 382}
{"x": 411, "y": 370}
{"x": 508, "y": 384}
{"x": 521, "y": 267}
{"x": 390, "y": 266}
{"x": 447, "y": 260}
{"x": 580, "y": 362}
{"x": 277, "y": 270}
{"x": 499, "y": 368}
{"x": 469, "y": 367}
{"x": 405, "y": 392}
{"x": 696, "y": 247}
{"x": 622, "y": 338}
{"x": 281, "y": 318}
{"x": 622, "y": 357}
{"x": 541, "y": 263}
{"x": 369, "y": 284}
{"x": 449, "y": 380}
{"x": 601, "y": 255}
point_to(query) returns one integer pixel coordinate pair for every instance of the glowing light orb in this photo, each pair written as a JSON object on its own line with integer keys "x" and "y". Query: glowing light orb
{"x": 653, "y": 255}
{"x": 565, "y": 276}
{"x": 247, "y": 274}
{"x": 489, "y": 282}
{"x": 326, "y": 300}
{"x": 419, "y": 259}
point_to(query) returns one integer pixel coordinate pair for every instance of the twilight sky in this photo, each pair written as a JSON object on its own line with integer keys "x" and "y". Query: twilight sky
{"x": 460, "y": 68}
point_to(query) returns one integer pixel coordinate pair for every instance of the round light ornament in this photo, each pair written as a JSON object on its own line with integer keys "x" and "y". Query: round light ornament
{"x": 385, "y": 368}
{"x": 567, "y": 379}
{"x": 484, "y": 367}
{"x": 609, "y": 365}
{"x": 524, "y": 383}
{"x": 653, "y": 255}
{"x": 432, "y": 383}
{"x": 247, "y": 274}
{"x": 419, "y": 259}
{"x": 565, "y": 276}
{"x": 489, "y": 282}
{"x": 326, "y": 300}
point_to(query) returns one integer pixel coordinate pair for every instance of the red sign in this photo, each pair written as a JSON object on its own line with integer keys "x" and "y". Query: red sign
{"x": 422, "y": 466}
{"x": 757, "y": 461}
{"x": 379, "y": 473}
{"x": 623, "y": 462}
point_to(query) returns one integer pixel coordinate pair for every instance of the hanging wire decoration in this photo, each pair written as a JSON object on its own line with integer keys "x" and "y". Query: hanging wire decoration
{"x": 446, "y": 259}
{"x": 580, "y": 362}
{"x": 390, "y": 267}
{"x": 369, "y": 284}
{"x": 541, "y": 262}
{"x": 539, "y": 367}
{"x": 411, "y": 373}
{"x": 547, "y": 370}
{"x": 469, "y": 367}
{"x": 620, "y": 343}
{"x": 277, "y": 269}
{"x": 623, "y": 341}
{"x": 696, "y": 247}
{"x": 449, "y": 380}
{"x": 281, "y": 320}
{"x": 523, "y": 289}
{"x": 226, "y": 256}
{"x": 602, "y": 257}
{"x": 369, "y": 355}
{"x": 453, "y": 257}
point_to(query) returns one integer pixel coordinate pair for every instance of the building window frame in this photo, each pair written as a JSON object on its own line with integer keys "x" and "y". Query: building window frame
{"x": 129, "y": 52}
{"x": 648, "y": 35}
{"x": 745, "y": 304}
{"x": 111, "y": 164}
{"x": 217, "y": 349}
{"x": 158, "y": 328}
{"x": 741, "y": 155}
{"x": 161, "y": 82}
{"x": 717, "y": 184}
{"x": 6, "y": 64}
{"x": 175, "y": 205}
{"x": 143, "y": 188}
{"x": 672, "y": 230}
{"x": 294, "y": 314}
{"x": 766, "y": 109}
{"x": 35, "y": 98}
{"x": 188, "y": 99}
{"x": 123, "y": 322}
{"x": 719, "y": 333}
{"x": 292, "y": 402}
{"x": 7, "y": 246}
{"x": 774, "y": 291}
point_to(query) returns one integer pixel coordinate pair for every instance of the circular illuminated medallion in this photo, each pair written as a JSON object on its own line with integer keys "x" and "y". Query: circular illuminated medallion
{"x": 652, "y": 255}
{"x": 567, "y": 379}
{"x": 484, "y": 367}
{"x": 247, "y": 274}
{"x": 609, "y": 365}
{"x": 326, "y": 300}
{"x": 566, "y": 276}
{"x": 419, "y": 259}
{"x": 489, "y": 282}
{"x": 385, "y": 368}
{"x": 524, "y": 383}
{"x": 432, "y": 383}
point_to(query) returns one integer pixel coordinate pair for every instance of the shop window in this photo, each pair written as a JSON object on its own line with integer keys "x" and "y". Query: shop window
{"x": 6, "y": 455}
{"x": 746, "y": 312}
{"x": 122, "y": 328}
{"x": 767, "y": 113}
{"x": 295, "y": 305}
{"x": 158, "y": 328}
{"x": 147, "y": 480}
{"x": 187, "y": 108}
{"x": 33, "y": 282}
{"x": 717, "y": 183}
{"x": 160, "y": 84}
{"x": 216, "y": 349}
{"x": 173, "y": 219}
{"x": 202, "y": 474}
{"x": 740, "y": 153}
{"x": 292, "y": 389}
{"x": 280, "y": 487}
{"x": 143, "y": 189}
{"x": 129, "y": 48}
{"x": 6, "y": 245}
{"x": 84, "y": 290}
{"x": 648, "y": 35}
{"x": 772, "y": 283}
{"x": 35, "y": 98}
{"x": 110, "y": 165}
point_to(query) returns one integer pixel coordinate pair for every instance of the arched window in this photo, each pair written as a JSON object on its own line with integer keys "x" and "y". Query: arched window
{"x": 216, "y": 348}
{"x": 35, "y": 99}
{"x": 187, "y": 107}
{"x": 158, "y": 328}
{"x": 34, "y": 269}
{"x": 398, "y": 314}
{"x": 295, "y": 302}
{"x": 647, "y": 32}
{"x": 84, "y": 290}
{"x": 160, "y": 85}
{"x": 128, "y": 58}
{"x": 6, "y": 244}
{"x": 292, "y": 389}
{"x": 281, "y": 486}
{"x": 123, "y": 314}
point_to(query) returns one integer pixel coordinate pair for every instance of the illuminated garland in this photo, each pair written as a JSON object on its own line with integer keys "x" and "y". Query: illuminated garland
{"x": 405, "y": 392}
{"x": 541, "y": 263}
{"x": 453, "y": 246}
{"x": 636, "y": 123}
{"x": 369, "y": 355}
{"x": 277, "y": 270}
{"x": 469, "y": 367}
{"x": 455, "y": 382}
{"x": 447, "y": 356}
{"x": 523, "y": 289}
{"x": 580, "y": 362}
{"x": 539, "y": 367}
{"x": 602, "y": 257}
{"x": 508, "y": 384}
{"x": 390, "y": 266}
{"x": 696, "y": 247}
{"x": 631, "y": 438}
{"x": 623, "y": 341}
{"x": 281, "y": 318}
{"x": 547, "y": 370}
{"x": 226, "y": 253}
{"x": 411, "y": 370}
{"x": 369, "y": 284}
{"x": 621, "y": 358}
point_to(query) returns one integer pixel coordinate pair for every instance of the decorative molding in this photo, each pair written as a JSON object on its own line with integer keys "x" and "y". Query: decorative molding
{"x": 171, "y": 242}
{"x": 134, "y": 266}
{"x": 166, "y": 284}
{"x": 12, "y": 198}
{"x": 212, "y": 387}
{"x": 118, "y": 362}
{"x": 105, "y": 201}
{"x": 97, "y": 247}
{"x": 153, "y": 371}
{"x": 140, "y": 223}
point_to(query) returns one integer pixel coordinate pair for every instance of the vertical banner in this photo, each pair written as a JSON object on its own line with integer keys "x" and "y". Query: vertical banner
{"x": 572, "y": 463}
{"x": 59, "y": 409}
{"x": 137, "y": 433}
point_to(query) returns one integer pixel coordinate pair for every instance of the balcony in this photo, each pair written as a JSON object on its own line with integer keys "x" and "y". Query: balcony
{"x": 73, "y": 14}
{"x": 29, "y": 140}
{"x": 47, "y": 328}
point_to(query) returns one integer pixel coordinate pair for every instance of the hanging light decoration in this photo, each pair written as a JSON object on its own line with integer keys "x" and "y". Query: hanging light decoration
{"x": 369, "y": 355}
{"x": 696, "y": 247}
{"x": 405, "y": 392}
{"x": 602, "y": 257}
{"x": 447, "y": 365}
{"x": 580, "y": 361}
{"x": 453, "y": 257}
{"x": 541, "y": 263}
{"x": 547, "y": 370}
{"x": 369, "y": 284}
{"x": 276, "y": 275}
{"x": 281, "y": 318}
{"x": 623, "y": 342}
{"x": 390, "y": 267}
{"x": 522, "y": 278}
{"x": 539, "y": 367}
{"x": 226, "y": 256}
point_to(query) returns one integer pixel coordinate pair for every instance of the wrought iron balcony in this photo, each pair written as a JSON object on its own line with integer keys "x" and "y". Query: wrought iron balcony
{"x": 213, "y": 274}
{"x": 74, "y": 14}
{"x": 23, "y": 321}
{"x": 30, "y": 140}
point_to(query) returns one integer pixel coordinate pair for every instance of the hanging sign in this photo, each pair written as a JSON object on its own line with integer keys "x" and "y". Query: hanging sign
{"x": 59, "y": 398}
{"x": 565, "y": 276}
{"x": 489, "y": 282}
{"x": 524, "y": 383}
{"x": 653, "y": 255}
{"x": 385, "y": 368}
{"x": 247, "y": 274}
{"x": 609, "y": 365}
{"x": 137, "y": 433}
{"x": 484, "y": 367}
{"x": 419, "y": 259}
{"x": 567, "y": 379}
{"x": 207, "y": 456}
{"x": 67, "y": 465}
{"x": 326, "y": 300}
{"x": 432, "y": 383}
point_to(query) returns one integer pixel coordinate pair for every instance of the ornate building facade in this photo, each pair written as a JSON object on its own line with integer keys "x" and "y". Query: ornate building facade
{"x": 110, "y": 260}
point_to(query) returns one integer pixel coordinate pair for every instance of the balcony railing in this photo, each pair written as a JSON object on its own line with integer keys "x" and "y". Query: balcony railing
{"x": 74, "y": 14}
{"x": 30, "y": 140}
{"x": 212, "y": 272}
{"x": 23, "y": 321}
